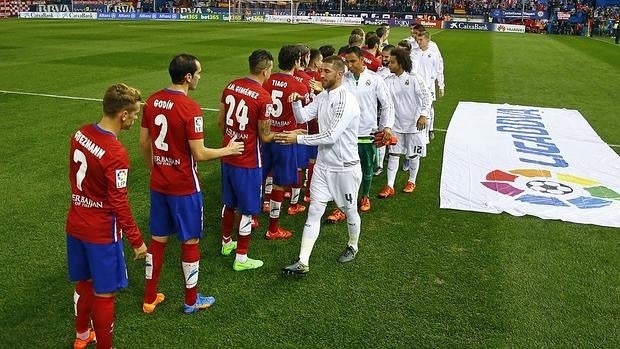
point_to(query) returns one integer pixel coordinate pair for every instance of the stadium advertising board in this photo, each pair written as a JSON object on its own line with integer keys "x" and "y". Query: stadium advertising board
{"x": 429, "y": 23}
{"x": 496, "y": 13}
{"x": 467, "y": 26}
{"x": 58, "y": 15}
{"x": 527, "y": 160}
{"x": 509, "y": 28}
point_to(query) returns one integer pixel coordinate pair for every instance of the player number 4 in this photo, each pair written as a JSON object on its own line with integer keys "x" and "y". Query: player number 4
{"x": 241, "y": 112}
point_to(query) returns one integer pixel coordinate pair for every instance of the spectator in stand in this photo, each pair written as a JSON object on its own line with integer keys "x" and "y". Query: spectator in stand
{"x": 617, "y": 30}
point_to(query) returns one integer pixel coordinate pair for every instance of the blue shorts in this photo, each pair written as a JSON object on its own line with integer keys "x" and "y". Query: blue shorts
{"x": 103, "y": 263}
{"x": 302, "y": 155}
{"x": 176, "y": 214}
{"x": 241, "y": 188}
{"x": 312, "y": 151}
{"x": 281, "y": 161}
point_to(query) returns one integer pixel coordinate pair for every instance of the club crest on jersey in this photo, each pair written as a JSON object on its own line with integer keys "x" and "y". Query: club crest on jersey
{"x": 121, "y": 178}
{"x": 198, "y": 124}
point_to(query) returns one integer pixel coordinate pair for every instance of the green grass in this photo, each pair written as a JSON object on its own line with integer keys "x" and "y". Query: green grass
{"x": 425, "y": 277}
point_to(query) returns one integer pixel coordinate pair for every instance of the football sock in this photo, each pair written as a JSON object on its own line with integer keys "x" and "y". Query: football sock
{"x": 414, "y": 166}
{"x": 190, "y": 257}
{"x": 275, "y": 204}
{"x": 268, "y": 185}
{"x": 311, "y": 230}
{"x": 366, "y": 183}
{"x": 309, "y": 181}
{"x": 83, "y": 303}
{"x": 353, "y": 225}
{"x": 295, "y": 195}
{"x": 243, "y": 240}
{"x": 103, "y": 320}
{"x": 153, "y": 263}
{"x": 228, "y": 218}
{"x": 380, "y": 156}
{"x": 392, "y": 168}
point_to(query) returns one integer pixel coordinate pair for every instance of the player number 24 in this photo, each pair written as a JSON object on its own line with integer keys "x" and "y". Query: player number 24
{"x": 240, "y": 112}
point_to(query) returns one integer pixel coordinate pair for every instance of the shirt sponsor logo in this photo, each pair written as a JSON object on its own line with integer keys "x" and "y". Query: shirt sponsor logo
{"x": 121, "y": 178}
{"x": 198, "y": 124}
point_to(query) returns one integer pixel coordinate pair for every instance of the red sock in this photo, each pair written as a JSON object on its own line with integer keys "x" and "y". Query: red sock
{"x": 103, "y": 320}
{"x": 300, "y": 178}
{"x": 277, "y": 196}
{"x": 227, "y": 224}
{"x": 84, "y": 290}
{"x": 243, "y": 244}
{"x": 190, "y": 253}
{"x": 156, "y": 250}
{"x": 310, "y": 172}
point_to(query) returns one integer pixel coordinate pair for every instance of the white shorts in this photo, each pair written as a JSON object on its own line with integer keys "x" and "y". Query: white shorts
{"x": 410, "y": 144}
{"x": 341, "y": 187}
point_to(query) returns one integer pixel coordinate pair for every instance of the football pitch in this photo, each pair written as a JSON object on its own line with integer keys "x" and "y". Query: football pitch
{"x": 424, "y": 277}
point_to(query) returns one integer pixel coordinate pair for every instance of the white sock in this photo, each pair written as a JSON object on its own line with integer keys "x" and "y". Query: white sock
{"x": 414, "y": 166}
{"x": 311, "y": 230}
{"x": 190, "y": 271}
{"x": 380, "y": 156}
{"x": 354, "y": 223}
{"x": 268, "y": 185}
{"x": 295, "y": 195}
{"x": 274, "y": 209}
{"x": 241, "y": 258}
{"x": 392, "y": 168}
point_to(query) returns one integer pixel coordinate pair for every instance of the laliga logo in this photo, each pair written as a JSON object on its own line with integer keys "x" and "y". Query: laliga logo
{"x": 541, "y": 187}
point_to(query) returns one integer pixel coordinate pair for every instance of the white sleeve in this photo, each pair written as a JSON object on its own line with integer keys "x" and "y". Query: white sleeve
{"x": 386, "y": 114}
{"x": 340, "y": 119}
{"x": 424, "y": 96}
{"x": 304, "y": 114}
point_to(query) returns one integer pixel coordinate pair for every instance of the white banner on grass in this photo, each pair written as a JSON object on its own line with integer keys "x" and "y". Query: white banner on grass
{"x": 523, "y": 160}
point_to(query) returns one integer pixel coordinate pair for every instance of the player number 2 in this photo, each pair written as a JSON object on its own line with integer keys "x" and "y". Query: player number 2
{"x": 79, "y": 157}
{"x": 241, "y": 112}
{"x": 160, "y": 143}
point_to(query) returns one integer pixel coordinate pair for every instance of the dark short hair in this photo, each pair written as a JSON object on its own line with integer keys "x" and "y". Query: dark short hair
{"x": 327, "y": 50}
{"x": 404, "y": 44}
{"x": 353, "y": 49}
{"x": 381, "y": 31}
{"x": 373, "y": 41}
{"x": 287, "y": 56}
{"x": 314, "y": 53}
{"x": 259, "y": 60}
{"x": 403, "y": 58}
{"x": 180, "y": 66}
{"x": 388, "y": 48}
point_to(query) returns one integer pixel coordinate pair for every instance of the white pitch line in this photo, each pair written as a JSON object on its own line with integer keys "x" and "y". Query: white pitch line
{"x": 99, "y": 100}
{"x": 68, "y": 97}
